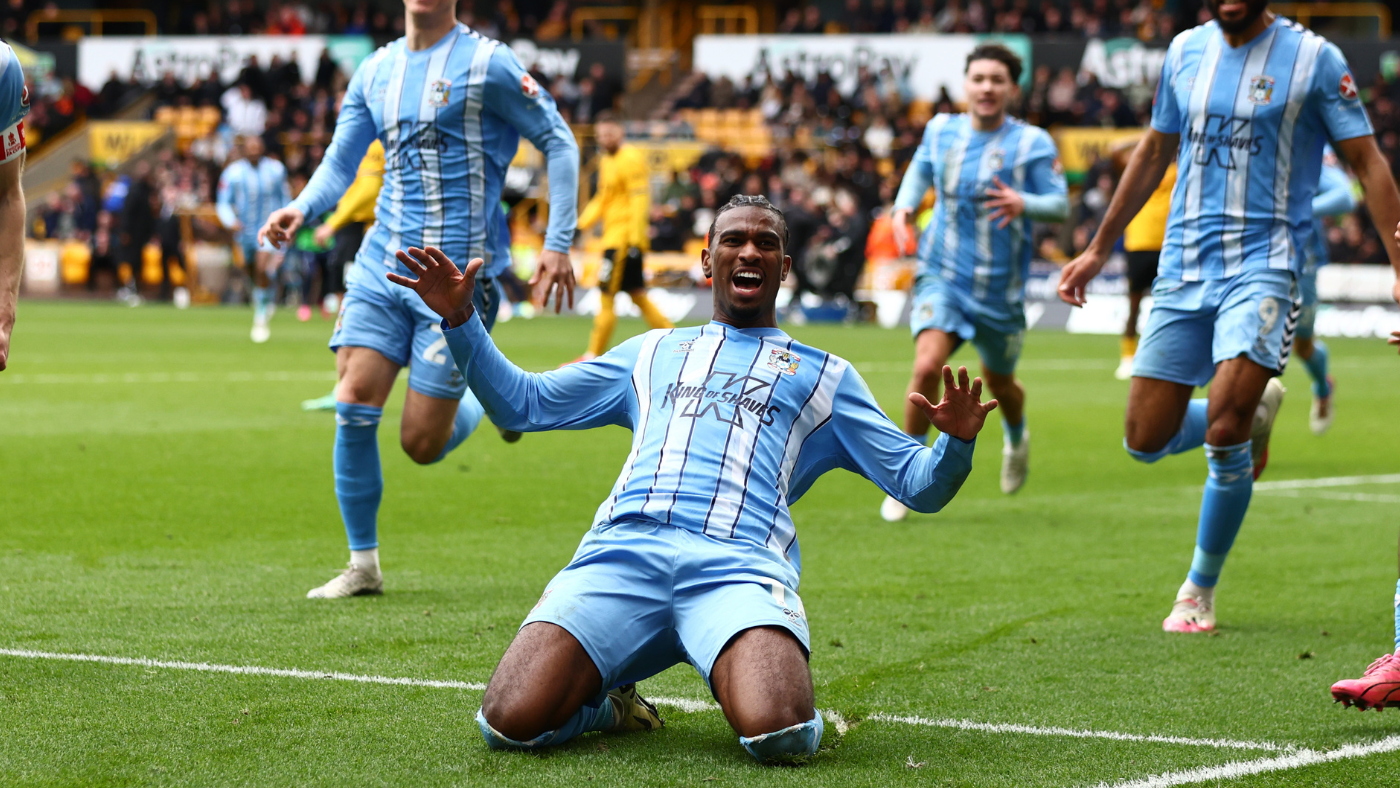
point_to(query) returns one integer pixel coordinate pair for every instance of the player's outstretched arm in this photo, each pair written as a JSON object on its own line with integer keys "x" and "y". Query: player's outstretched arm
{"x": 579, "y": 396}
{"x": 11, "y": 251}
{"x": 924, "y": 478}
{"x": 1148, "y": 164}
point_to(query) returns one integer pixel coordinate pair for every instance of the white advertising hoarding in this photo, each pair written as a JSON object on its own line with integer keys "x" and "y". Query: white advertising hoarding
{"x": 190, "y": 57}
{"x": 927, "y": 62}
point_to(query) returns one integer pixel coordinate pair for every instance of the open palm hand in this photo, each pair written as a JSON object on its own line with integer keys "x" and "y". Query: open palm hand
{"x": 442, "y": 287}
{"x": 962, "y": 412}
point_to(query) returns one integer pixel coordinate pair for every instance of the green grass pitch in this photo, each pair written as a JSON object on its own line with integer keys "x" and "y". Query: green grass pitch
{"x": 162, "y": 496}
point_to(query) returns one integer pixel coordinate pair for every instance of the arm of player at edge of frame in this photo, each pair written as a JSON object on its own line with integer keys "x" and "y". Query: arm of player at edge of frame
{"x": 579, "y": 396}
{"x": 1382, "y": 198}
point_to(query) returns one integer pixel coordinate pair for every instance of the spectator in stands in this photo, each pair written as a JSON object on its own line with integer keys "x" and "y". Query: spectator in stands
{"x": 245, "y": 113}
{"x": 138, "y": 224}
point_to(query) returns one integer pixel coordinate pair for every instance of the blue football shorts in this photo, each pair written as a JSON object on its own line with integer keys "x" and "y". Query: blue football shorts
{"x": 1307, "y": 295}
{"x": 251, "y": 247}
{"x": 641, "y": 596}
{"x": 997, "y": 331}
{"x": 393, "y": 321}
{"x": 1194, "y": 326}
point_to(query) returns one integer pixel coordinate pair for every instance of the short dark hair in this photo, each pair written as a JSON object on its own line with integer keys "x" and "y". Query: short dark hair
{"x": 606, "y": 116}
{"x": 1000, "y": 54}
{"x": 750, "y": 201}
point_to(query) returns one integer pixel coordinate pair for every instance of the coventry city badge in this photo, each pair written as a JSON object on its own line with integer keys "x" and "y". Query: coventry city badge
{"x": 784, "y": 361}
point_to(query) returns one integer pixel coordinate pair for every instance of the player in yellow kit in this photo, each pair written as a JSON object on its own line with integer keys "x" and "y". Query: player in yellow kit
{"x": 1142, "y": 240}
{"x": 623, "y": 203}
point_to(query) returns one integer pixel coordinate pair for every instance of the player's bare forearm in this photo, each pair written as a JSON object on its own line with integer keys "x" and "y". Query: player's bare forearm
{"x": 11, "y": 251}
{"x": 1149, "y": 162}
{"x": 1382, "y": 198}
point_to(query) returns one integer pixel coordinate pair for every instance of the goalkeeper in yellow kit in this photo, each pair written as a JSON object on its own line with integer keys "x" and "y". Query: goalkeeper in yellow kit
{"x": 623, "y": 203}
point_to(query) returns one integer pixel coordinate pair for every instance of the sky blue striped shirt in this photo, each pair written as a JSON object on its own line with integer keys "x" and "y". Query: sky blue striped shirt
{"x": 450, "y": 118}
{"x": 962, "y": 244}
{"x": 729, "y": 425}
{"x": 1253, "y": 121}
{"x": 249, "y": 194}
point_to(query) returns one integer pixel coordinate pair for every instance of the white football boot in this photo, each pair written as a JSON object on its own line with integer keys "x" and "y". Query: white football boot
{"x": 1125, "y": 368}
{"x": 354, "y": 581}
{"x": 261, "y": 333}
{"x": 1015, "y": 463}
{"x": 1192, "y": 612}
{"x": 892, "y": 511}
{"x": 1263, "y": 427}
{"x": 1320, "y": 415}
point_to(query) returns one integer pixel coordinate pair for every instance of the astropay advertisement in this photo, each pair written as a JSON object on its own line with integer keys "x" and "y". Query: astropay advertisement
{"x": 925, "y": 63}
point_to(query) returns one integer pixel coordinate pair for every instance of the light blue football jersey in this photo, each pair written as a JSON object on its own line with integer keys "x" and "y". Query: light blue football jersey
{"x": 450, "y": 118}
{"x": 1253, "y": 121}
{"x": 730, "y": 426}
{"x": 962, "y": 244}
{"x": 14, "y": 104}
{"x": 1334, "y": 197}
{"x": 249, "y": 193}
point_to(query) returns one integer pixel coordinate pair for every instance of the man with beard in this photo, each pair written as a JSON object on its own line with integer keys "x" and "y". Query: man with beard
{"x": 1245, "y": 105}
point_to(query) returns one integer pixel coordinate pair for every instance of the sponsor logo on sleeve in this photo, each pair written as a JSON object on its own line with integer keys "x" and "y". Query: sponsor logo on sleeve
{"x": 1347, "y": 87}
{"x": 24, "y": 97}
{"x": 529, "y": 86}
{"x": 14, "y": 141}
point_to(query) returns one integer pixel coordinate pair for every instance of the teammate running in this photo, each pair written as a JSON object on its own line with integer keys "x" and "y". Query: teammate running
{"x": 623, "y": 204}
{"x": 250, "y": 189}
{"x": 994, "y": 174}
{"x": 693, "y": 558}
{"x": 14, "y": 105}
{"x": 1245, "y": 104}
{"x": 448, "y": 105}
{"x": 1333, "y": 197}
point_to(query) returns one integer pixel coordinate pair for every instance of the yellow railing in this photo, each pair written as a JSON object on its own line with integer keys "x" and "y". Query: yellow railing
{"x": 712, "y": 15}
{"x": 602, "y": 13}
{"x": 93, "y": 18}
{"x": 1303, "y": 13}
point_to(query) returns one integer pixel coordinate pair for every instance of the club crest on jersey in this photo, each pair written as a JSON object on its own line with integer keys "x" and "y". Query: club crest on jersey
{"x": 440, "y": 92}
{"x": 1261, "y": 90}
{"x": 684, "y": 347}
{"x": 1347, "y": 87}
{"x": 784, "y": 361}
{"x": 529, "y": 86}
{"x": 995, "y": 160}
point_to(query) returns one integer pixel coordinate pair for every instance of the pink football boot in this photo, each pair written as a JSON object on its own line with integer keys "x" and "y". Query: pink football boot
{"x": 1378, "y": 688}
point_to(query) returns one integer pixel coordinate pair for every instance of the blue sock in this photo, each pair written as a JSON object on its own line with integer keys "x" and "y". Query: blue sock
{"x": 587, "y": 718}
{"x": 1191, "y": 435}
{"x": 1317, "y": 368}
{"x": 260, "y": 299}
{"x": 1223, "y": 505}
{"x": 1014, "y": 433}
{"x": 469, "y": 413}
{"x": 1397, "y": 616}
{"x": 359, "y": 483}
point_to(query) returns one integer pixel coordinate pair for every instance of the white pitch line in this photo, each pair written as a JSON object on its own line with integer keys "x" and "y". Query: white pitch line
{"x": 168, "y": 377}
{"x": 1230, "y": 771}
{"x": 1036, "y": 730}
{"x": 687, "y": 705}
{"x": 1327, "y": 481}
{"x": 1336, "y": 496}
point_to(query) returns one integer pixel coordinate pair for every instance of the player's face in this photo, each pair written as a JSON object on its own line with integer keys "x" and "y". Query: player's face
{"x": 430, "y": 7}
{"x": 609, "y": 136}
{"x": 747, "y": 264}
{"x": 253, "y": 148}
{"x": 1235, "y": 16}
{"x": 989, "y": 88}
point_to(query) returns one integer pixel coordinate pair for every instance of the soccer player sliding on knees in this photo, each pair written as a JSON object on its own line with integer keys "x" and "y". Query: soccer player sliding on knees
{"x": 1244, "y": 107}
{"x": 693, "y": 557}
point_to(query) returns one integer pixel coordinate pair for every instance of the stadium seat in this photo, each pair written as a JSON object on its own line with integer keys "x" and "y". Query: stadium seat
{"x": 74, "y": 260}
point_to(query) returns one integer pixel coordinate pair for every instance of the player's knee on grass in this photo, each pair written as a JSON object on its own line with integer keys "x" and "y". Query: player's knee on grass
{"x": 499, "y": 741}
{"x": 793, "y": 741}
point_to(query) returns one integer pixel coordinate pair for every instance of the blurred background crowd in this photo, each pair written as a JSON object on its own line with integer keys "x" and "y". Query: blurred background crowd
{"x": 831, "y": 158}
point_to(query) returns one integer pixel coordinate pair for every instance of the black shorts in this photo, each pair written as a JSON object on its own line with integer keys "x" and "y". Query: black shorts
{"x": 614, "y": 279}
{"x": 1142, "y": 269}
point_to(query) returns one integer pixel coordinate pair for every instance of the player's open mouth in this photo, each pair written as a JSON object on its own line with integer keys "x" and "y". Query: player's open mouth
{"x": 1232, "y": 9}
{"x": 747, "y": 281}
